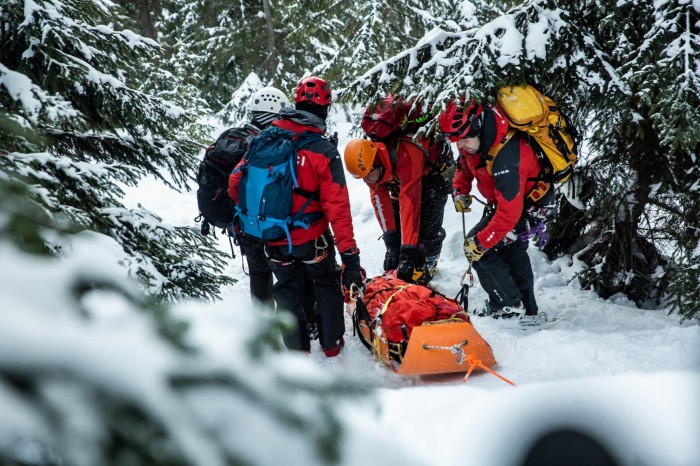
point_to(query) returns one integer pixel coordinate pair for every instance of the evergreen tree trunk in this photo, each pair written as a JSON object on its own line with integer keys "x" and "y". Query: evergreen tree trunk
{"x": 143, "y": 14}
{"x": 271, "y": 61}
{"x": 624, "y": 258}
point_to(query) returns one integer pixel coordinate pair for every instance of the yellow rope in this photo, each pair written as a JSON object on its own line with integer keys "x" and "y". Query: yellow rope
{"x": 377, "y": 338}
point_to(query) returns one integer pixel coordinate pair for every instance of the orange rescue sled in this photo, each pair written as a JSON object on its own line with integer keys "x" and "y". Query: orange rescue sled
{"x": 418, "y": 331}
{"x": 438, "y": 348}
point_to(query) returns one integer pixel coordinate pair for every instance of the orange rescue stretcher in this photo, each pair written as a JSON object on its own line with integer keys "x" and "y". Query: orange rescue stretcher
{"x": 417, "y": 331}
{"x": 441, "y": 347}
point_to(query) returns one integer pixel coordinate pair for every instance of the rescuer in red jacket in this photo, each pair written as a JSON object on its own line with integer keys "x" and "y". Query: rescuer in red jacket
{"x": 408, "y": 193}
{"x": 321, "y": 185}
{"x": 504, "y": 179}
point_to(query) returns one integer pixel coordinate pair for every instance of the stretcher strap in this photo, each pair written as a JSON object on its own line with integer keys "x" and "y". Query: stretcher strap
{"x": 474, "y": 362}
{"x": 450, "y": 319}
{"x": 377, "y": 338}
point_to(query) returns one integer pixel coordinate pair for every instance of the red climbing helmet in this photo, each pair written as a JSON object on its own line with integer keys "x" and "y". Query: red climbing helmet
{"x": 457, "y": 118}
{"x": 313, "y": 89}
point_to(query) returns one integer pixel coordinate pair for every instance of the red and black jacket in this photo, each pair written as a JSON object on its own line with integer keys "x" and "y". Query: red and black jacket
{"x": 407, "y": 170}
{"x": 319, "y": 170}
{"x": 512, "y": 177}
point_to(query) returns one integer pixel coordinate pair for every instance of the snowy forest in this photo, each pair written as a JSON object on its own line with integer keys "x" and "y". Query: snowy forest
{"x": 98, "y": 95}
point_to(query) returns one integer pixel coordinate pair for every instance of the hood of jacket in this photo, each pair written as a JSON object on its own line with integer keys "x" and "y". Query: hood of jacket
{"x": 303, "y": 118}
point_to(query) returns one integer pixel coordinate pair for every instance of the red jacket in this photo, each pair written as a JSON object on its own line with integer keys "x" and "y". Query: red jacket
{"x": 319, "y": 169}
{"x": 514, "y": 171}
{"x": 411, "y": 165}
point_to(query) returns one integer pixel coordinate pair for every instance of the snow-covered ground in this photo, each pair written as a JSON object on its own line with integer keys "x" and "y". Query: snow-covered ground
{"x": 626, "y": 377}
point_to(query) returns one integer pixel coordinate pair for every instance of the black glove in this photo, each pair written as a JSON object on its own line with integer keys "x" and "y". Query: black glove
{"x": 392, "y": 241}
{"x": 409, "y": 257}
{"x": 352, "y": 276}
{"x": 334, "y": 139}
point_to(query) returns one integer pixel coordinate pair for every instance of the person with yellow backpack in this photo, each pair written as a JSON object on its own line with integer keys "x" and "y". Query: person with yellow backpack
{"x": 497, "y": 245}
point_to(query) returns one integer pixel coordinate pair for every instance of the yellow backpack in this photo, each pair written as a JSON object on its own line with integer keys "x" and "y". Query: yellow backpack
{"x": 552, "y": 136}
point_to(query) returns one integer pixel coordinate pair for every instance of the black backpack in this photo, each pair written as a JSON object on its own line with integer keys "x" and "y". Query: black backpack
{"x": 215, "y": 206}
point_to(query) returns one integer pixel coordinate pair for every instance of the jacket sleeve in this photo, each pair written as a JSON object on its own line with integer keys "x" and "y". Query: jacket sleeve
{"x": 333, "y": 195}
{"x": 510, "y": 180}
{"x": 383, "y": 206}
{"x": 462, "y": 182}
{"x": 234, "y": 181}
{"x": 410, "y": 164}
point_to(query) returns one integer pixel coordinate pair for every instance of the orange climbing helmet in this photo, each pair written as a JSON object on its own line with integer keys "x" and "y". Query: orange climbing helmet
{"x": 359, "y": 157}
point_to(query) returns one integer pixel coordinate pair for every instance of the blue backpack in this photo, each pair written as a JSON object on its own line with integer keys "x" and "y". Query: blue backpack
{"x": 264, "y": 208}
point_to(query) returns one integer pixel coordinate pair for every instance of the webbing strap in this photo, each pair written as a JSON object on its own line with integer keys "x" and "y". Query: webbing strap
{"x": 377, "y": 339}
{"x": 386, "y": 304}
{"x": 361, "y": 313}
{"x": 449, "y": 319}
{"x": 493, "y": 152}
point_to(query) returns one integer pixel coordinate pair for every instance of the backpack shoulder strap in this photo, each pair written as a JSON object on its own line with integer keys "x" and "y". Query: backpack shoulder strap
{"x": 542, "y": 183}
{"x": 493, "y": 152}
{"x": 300, "y": 141}
{"x": 415, "y": 144}
{"x": 393, "y": 147}
{"x": 305, "y": 138}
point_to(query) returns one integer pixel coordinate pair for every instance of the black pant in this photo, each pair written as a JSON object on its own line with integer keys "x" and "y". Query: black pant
{"x": 505, "y": 273}
{"x": 318, "y": 259}
{"x": 261, "y": 277}
{"x": 434, "y": 192}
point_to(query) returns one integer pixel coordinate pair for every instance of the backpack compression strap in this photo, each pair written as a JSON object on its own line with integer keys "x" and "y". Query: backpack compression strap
{"x": 299, "y": 219}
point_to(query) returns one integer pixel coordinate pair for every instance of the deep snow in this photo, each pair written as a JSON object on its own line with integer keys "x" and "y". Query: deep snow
{"x": 627, "y": 377}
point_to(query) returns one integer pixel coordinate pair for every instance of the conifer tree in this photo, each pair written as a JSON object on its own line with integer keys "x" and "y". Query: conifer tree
{"x": 141, "y": 16}
{"x": 362, "y": 34}
{"x": 647, "y": 136}
{"x": 94, "y": 372}
{"x": 65, "y": 77}
{"x": 216, "y": 44}
{"x": 366, "y": 33}
{"x": 630, "y": 72}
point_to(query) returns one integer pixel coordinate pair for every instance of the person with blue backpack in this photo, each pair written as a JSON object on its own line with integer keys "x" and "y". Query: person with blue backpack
{"x": 289, "y": 191}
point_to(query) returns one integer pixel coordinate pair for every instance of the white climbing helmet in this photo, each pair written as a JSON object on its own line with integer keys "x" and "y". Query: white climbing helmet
{"x": 268, "y": 99}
